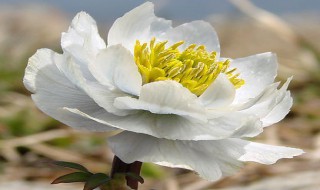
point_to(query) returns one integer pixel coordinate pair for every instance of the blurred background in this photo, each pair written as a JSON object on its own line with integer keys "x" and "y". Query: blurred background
{"x": 29, "y": 139}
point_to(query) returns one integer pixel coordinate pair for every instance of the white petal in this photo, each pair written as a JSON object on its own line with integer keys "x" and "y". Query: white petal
{"x": 115, "y": 67}
{"x": 105, "y": 97}
{"x": 220, "y": 93}
{"x": 164, "y": 97}
{"x": 83, "y": 32}
{"x": 265, "y": 94}
{"x": 101, "y": 94}
{"x": 82, "y": 42}
{"x": 171, "y": 126}
{"x": 258, "y": 71}
{"x": 279, "y": 111}
{"x": 130, "y": 147}
{"x": 272, "y": 105}
{"x": 53, "y": 91}
{"x": 241, "y": 125}
{"x": 267, "y": 154}
{"x": 138, "y": 24}
{"x": 39, "y": 65}
{"x": 211, "y": 159}
{"x": 196, "y": 32}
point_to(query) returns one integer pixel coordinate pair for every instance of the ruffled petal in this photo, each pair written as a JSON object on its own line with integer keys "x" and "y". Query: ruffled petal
{"x": 258, "y": 72}
{"x": 115, "y": 67}
{"x": 196, "y": 32}
{"x": 211, "y": 159}
{"x": 279, "y": 111}
{"x": 52, "y": 91}
{"x": 138, "y": 24}
{"x": 82, "y": 42}
{"x": 219, "y": 94}
{"x": 271, "y": 105}
{"x": 164, "y": 97}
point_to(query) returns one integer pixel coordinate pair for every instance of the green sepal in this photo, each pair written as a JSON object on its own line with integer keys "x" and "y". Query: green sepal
{"x": 72, "y": 177}
{"x": 96, "y": 180}
{"x": 71, "y": 165}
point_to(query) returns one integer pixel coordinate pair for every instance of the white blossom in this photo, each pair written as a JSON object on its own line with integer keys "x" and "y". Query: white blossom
{"x": 168, "y": 114}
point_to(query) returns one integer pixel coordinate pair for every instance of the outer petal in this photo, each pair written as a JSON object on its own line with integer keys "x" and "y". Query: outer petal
{"x": 115, "y": 67}
{"x": 211, "y": 159}
{"x": 258, "y": 71}
{"x": 266, "y": 154}
{"x": 220, "y": 93}
{"x": 164, "y": 97}
{"x": 138, "y": 24}
{"x": 205, "y": 159}
{"x": 174, "y": 127}
{"x": 196, "y": 32}
{"x": 52, "y": 91}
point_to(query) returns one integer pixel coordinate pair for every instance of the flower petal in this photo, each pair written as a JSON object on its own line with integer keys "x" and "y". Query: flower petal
{"x": 174, "y": 127}
{"x": 258, "y": 71}
{"x": 83, "y": 32}
{"x": 130, "y": 147}
{"x": 272, "y": 105}
{"x": 138, "y": 24}
{"x": 115, "y": 67}
{"x": 52, "y": 91}
{"x": 102, "y": 95}
{"x": 164, "y": 97}
{"x": 220, "y": 93}
{"x": 82, "y": 42}
{"x": 279, "y": 111}
{"x": 211, "y": 159}
{"x": 196, "y": 32}
{"x": 241, "y": 125}
{"x": 267, "y": 154}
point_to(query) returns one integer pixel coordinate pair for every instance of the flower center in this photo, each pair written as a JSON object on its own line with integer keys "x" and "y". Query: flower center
{"x": 195, "y": 68}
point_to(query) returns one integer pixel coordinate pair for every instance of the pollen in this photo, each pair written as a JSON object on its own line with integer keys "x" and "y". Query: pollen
{"x": 195, "y": 68}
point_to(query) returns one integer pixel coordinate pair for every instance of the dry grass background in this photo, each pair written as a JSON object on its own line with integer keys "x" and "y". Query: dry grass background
{"x": 29, "y": 139}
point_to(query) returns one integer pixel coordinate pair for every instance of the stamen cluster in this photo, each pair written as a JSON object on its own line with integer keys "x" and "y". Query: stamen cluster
{"x": 195, "y": 68}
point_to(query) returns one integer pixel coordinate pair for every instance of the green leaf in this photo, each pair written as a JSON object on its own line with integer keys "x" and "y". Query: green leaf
{"x": 134, "y": 177}
{"x": 71, "y": 165}
{"x": 72, "y": 177}
{"x": 96, "y": 180}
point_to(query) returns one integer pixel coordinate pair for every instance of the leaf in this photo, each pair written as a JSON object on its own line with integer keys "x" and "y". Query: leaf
{"x": 135, "y": 177}
{"x": 72, "y": 177}
{"x": 96, "y": 180}
{"x": 71, "y": 165}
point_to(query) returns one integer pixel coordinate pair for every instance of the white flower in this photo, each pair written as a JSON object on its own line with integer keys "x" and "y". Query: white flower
{"x": 178, "y": 103}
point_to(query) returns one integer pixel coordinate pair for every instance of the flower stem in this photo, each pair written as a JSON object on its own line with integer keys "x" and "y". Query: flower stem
{"x": 118, "y": 166}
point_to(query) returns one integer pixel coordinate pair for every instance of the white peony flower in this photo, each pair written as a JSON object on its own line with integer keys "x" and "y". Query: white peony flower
{"x": 177, "y": 101}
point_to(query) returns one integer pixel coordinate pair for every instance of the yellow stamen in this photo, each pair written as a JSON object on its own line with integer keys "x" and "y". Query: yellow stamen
{"x": 194, "y": 67}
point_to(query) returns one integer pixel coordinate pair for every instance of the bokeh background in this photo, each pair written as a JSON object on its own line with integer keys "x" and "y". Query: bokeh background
{"x": 29, "y": 140}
